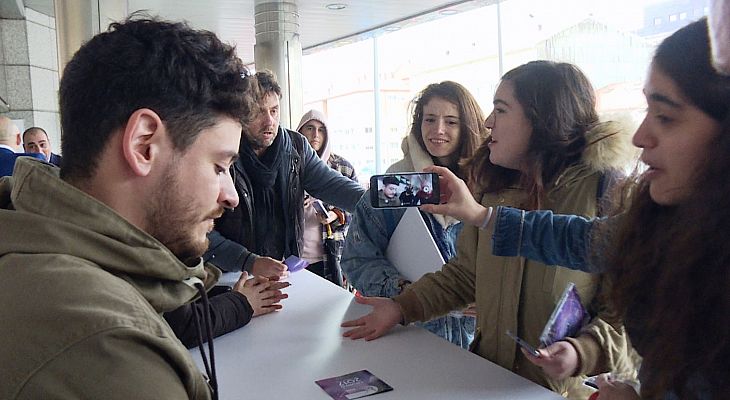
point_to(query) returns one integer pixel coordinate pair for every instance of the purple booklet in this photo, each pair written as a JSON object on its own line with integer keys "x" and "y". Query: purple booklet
{"x": 568, "y": 317}
{"x": 353, "y": 386}
{"x": 294, "y": 263}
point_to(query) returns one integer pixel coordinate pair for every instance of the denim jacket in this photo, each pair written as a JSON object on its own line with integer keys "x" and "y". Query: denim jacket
{"x": 545, "y": 237}
{"x": 369, "y": 271}
{"x": 567, "y": 240}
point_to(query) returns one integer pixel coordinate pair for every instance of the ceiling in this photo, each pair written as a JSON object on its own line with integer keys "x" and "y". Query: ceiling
{"x": 233, "y": 20}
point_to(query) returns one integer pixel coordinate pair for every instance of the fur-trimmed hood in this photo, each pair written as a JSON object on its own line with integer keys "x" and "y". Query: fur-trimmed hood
{"x": 609, "y": 144}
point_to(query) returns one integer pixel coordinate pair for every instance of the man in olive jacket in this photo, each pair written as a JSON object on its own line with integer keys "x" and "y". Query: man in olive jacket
{"x": 91, "y": 258}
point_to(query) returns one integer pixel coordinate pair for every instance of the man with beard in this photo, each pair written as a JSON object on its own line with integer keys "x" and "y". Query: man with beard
{"x": 274, "y": 169}
{"x": 91, "y": 258}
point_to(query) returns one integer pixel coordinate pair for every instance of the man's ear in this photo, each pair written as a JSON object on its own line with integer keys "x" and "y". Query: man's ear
{"x": 18, "y": 141}
{"x": 143, "y": 140}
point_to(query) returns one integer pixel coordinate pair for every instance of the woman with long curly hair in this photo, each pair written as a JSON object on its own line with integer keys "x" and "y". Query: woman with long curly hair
{"x": 664, "y": 252}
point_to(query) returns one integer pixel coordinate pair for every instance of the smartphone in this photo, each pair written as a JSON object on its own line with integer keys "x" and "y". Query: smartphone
{"x": 405, "y": 189}
{"x": 319, "y": 208}
{"x": 524, "y": 344}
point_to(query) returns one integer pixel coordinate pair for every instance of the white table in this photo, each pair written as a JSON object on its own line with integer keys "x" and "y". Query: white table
{"x": 280, "y": 355}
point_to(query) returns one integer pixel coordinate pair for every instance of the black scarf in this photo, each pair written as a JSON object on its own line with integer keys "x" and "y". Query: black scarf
{"x": 264, "y": 173}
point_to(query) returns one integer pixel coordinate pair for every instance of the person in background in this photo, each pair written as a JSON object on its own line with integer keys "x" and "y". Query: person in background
{"x": 274, "y": 169}
{"x": 388, "y": 195}
{"x": 424, "y": 195}
{"x": 35, "y": 140}
{"x": 446, "y": 129}
{"x": 91, "y": 258}
{"x": 324, "y": 235}
{"x": 661, "y": 249}
{"x": 547, "y": 150}
{"x": 407, "y": 197}
{"x": 9, "y": 142}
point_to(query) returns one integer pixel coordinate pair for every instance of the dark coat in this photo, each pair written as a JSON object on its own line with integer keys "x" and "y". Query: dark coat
{"x": 8, "y": 157}
{"x": 233, "y": 245}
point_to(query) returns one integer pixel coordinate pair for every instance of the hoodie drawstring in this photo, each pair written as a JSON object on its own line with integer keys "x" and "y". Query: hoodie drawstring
{"x": 209, "y": 366}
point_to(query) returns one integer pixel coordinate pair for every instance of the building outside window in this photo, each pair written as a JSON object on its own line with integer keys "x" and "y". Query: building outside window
{"x": 612, "y": 42}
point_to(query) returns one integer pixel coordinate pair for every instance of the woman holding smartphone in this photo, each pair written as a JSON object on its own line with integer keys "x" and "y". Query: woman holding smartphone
{"x": 447, "y": 128}
{"x": 664, "y": 252}
{"x": 547, "y": 150}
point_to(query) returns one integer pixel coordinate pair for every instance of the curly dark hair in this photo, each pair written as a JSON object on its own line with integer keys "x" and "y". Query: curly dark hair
{"x": 559, "y": 101}
{"x": 188, "y": 77}
{"x": 670, "y": 266}
{"x": 472, "y": 129}
{"x": 267, "y": 83}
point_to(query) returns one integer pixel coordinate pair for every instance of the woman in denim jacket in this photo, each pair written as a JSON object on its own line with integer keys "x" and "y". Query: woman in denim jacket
{"x": 447, "y": 128}
{"x": 669, "y": 272}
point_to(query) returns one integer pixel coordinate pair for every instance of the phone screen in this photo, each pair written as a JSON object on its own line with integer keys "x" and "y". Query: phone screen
{"x": 523, "y": 344}
{"x": 407, "y": 189}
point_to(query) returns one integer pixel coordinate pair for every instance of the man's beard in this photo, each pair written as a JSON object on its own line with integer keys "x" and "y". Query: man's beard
{"x": 172, "y": 216}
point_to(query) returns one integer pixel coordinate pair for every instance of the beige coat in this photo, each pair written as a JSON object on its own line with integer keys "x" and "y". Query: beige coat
{"x": 514, "y": 294}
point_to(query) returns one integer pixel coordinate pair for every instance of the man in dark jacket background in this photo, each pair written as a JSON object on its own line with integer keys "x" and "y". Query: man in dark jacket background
{"x": 274, "y": 169}
{"x": 35, "y": 140}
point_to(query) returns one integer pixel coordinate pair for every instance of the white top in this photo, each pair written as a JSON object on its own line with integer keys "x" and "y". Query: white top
{"x": 280, "y": 355}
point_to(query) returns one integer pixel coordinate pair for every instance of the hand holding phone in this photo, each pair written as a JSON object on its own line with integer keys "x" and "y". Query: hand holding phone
{"x": 533, "y": 351}
{"x": 406, "y": 189}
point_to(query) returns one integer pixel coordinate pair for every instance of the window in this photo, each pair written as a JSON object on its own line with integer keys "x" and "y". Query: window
{"x": 611, "y": 41}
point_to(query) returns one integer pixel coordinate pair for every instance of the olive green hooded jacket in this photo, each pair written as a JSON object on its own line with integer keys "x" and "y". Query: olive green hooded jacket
{"x": 82, "y": 290}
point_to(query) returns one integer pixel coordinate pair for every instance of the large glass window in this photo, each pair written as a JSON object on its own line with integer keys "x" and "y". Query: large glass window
{"x": 612, "y": 42}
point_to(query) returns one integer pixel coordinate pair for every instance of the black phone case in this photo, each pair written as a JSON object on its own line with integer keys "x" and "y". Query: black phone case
{"x": 405, "y": 177}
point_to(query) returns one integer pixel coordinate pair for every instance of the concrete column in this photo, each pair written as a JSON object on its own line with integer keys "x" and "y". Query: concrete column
{"x": 29, "y": 69}
{"x": 79, "y": 20}
{"x": 279, "y": 50}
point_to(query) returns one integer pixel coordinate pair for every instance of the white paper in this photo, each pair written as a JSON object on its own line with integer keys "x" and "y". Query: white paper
{"x": 412, "y": 249}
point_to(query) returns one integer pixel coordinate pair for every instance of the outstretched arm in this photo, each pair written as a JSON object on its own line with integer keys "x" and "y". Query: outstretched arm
{"x": 385, "y": 315}
{"x": 326, "y": 184}
{"x": 228, "y": 255}
{"x": 542, "y": 236}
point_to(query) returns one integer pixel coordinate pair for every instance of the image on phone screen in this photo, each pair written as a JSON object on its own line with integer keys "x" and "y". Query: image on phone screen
{"x": 523, "y": 344}
{"x": 407, "y": 189}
